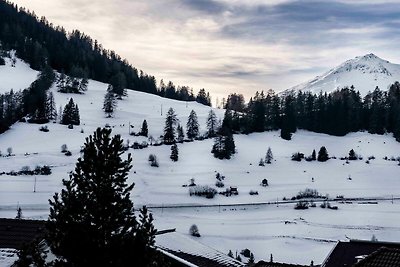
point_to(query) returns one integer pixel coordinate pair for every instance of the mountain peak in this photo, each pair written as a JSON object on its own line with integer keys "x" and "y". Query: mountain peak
{"x": 363, "y": 72}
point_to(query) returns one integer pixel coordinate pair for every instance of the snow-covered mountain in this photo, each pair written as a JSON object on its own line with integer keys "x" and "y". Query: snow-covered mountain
{"x": 364, "y": 73}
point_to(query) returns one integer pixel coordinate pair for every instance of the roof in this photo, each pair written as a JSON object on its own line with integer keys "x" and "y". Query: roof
{"x": 345, "y": 253}
{"x": 190, "y": 252}
{"x": 277, "y": 264}
{"x": 14, "y": 233}
{"x": 384, "y": 257}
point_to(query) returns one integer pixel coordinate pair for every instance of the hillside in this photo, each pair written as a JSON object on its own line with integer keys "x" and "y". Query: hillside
{"x": 16, "y": 75}
{"x": 222, "y": 227}
{"x": 364, "y": 73}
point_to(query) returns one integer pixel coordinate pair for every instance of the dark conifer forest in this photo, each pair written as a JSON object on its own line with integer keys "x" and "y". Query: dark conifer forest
{"x": 40, "y": 43}
{"x": 337, "y": 113}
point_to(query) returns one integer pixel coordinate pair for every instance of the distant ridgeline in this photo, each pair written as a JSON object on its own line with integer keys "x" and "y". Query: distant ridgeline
{"x": 75, "y": 54}
{"x": 337, "y": 113}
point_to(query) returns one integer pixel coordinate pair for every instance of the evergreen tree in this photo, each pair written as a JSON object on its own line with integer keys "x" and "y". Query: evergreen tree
{"x": 269, "y": 157}
{"x": 352, "y": 155}
{"x": 192, "y": 126}
{"x": 70, "y": 114}
{"x": 51, "y": 111}
{"x": 212, "y": 124}
{"x": 251, "y": 258}
{"x": 323, "y": 154}
{"x": 92, "y": 221}
{"x": 174, "y": 152}
{"x": 169, "y": 128}
{"x": 230, "y": 254}
{"x": 314, "y": 155}
{"x": 110, "y": 103}
{"x": 224, "y": 146}
{"x": 83, "y": 85}
{"x": 144, "y": 131}
{"x": 181, "y": 134}
{"x": 19, "y": 213}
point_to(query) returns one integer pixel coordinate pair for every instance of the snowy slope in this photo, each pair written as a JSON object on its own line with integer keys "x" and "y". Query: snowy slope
{"x": 260, "y": 228}
{"x": 16, "y": 76}
{"x": 364, "y": 73}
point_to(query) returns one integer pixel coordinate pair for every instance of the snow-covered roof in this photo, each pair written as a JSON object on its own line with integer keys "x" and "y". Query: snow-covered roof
{"x": 8, "y": 256}
{"x": 192, "y": 252}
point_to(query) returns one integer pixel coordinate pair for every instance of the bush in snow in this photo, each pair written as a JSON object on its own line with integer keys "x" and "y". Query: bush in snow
{"x": 68, "y": 153}
{"x": 261, "y": 163}
{"x": 297, "y": 156}
{"x": 219, "y": 184}
{"x": 246, "y": 252}
{"x": 194, "y": 230}
{"x": 64, "y": 148}
{"x": 301, "y": 205}
{"x": 44, "y": 129}
{"x": 153, "y": 160}
{"x": 203, "y": 191}
{"x": 264, "y": 182}
{"x": 253, "y": 192}
{"x": 308, "y": 193}
{"x": 9, "y": 151}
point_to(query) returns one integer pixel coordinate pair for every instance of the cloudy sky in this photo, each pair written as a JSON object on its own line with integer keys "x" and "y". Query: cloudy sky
{"x": 233, "y": 45}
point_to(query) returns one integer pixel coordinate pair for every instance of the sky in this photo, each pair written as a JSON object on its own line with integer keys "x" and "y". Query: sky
{"x": 228, "y": 46}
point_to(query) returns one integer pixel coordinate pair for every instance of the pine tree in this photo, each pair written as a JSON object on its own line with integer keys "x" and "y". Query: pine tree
{"x": 51, "y": 111}
{"x": 83, "y": 85}
{"x": 19, "y": 213}
{"x": 251, "y": 258}
{"x": 269, "y": 157}
{"x": 92, "y": 221}
{"x": 110, "y": 103}
{"x": 230, "y": 254}
{"x": 181, "y": 134}
{"x": 174, "y": 152}
{"x": 323, "y": 154}
{"x": 192, "y": 126}
{"x": 169, "y": 129}
{"x": 70, "y": 114}
{"x": 212, "y": 124}
{"x": 313, "y": 155}
{"x": 144, "y": 131}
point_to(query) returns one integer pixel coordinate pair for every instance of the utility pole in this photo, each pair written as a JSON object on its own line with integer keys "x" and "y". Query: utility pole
{"x": 161, "y": 109}
{"x": 34, "y": 186}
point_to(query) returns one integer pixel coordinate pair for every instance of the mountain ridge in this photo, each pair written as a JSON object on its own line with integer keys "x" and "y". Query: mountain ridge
{"x": 363, "y": 72}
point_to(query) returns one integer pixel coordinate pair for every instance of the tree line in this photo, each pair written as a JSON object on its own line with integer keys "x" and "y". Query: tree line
{"x": 337, "y": 113}
{"x": 40, "y": 43}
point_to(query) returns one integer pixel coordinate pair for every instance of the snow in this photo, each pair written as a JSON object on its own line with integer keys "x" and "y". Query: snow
{"x": 365, "y": 73}
{"x": 8, "y": 256}
{"x": 16, "y": 77}
{"x": 310, "y": 235}
{"x": 180, "y": 243}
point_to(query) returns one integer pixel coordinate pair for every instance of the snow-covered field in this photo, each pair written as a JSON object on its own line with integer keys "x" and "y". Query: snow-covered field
{"x": 307, "y": 235}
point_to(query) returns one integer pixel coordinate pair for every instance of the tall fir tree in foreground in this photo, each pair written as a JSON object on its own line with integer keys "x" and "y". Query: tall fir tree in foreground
{"x": 169, "y": 129}
{"x": 92, "y": 222}
{"x": 192, "y": 126}
{"x": 110, "y": 103}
